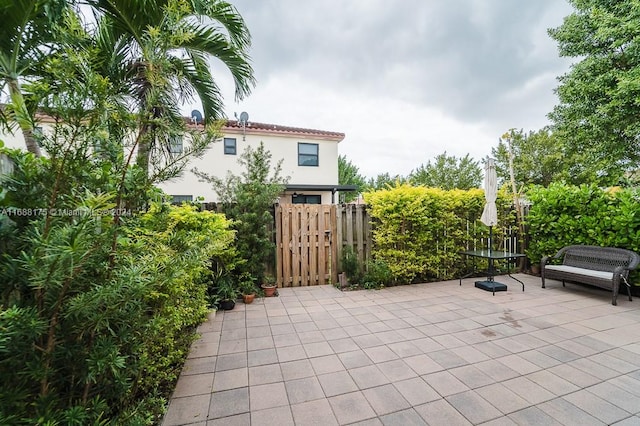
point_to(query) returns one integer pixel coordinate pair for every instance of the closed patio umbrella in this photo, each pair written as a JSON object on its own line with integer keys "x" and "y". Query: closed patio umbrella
{"x": 490, "y": 218}
{"x": 490, "y": 213}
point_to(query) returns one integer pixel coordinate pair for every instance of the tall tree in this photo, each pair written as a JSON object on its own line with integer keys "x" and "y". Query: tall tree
{"x": 247, "y": 199}
{"x": 26, "y": 36}
{"x": 538, "y": 158}
{"x": 160, "y": 50}
{"x": 448, "y": 172}
{"x": 384, "y": 181}
{"x": 349, "y": 174}
{"x": 598, "y": 110}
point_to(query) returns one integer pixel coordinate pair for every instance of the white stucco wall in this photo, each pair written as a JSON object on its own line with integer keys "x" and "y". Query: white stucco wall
{"x": 15, "y": 140}
{"x": 283, "y": 147}
{"x": 215, "y": 162}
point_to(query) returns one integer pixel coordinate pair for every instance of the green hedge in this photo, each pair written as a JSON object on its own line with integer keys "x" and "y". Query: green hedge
{"x": 96, "y": 317}
{"x": 419, "y": 231}
{"x": 83, "y": 342}
{"x": 562, "y": 215}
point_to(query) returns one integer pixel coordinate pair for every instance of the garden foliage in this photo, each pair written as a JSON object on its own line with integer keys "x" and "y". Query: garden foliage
{"x": 419, "y": 231}
{"x": 101, "y": 286}
{"x": 88, "y": 334}
{"x": 374, "y": 273}
{"x": 86, "y": 338}
{"x": 562, "y": 215}
{"x": 248, "y": 200}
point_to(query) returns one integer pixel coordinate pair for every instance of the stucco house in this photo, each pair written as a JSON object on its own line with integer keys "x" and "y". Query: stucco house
{"x": 310, "y": 160}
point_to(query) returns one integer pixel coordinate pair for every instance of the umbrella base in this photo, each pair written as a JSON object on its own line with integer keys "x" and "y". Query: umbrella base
{"x": 491, "y": 286}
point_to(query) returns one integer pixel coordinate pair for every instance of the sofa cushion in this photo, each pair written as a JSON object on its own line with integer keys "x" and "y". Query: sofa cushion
{"x": 580, "y": 271}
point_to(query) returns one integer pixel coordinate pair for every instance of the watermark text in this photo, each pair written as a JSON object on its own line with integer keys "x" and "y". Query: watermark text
{"x": 80, "y": 212}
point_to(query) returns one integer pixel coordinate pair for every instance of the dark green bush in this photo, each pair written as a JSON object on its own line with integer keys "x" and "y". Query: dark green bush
{"x": 378, "y": 274}
{"x": 351, "y": 265}
{"x": 92, "y": 332}
{"x": 562, "y": 215}
{"x": 248, "y": 200}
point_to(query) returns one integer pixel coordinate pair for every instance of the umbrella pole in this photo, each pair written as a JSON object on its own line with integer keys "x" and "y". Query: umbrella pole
{"x": 490, "y": 236}
{"x": 491, "y": 268}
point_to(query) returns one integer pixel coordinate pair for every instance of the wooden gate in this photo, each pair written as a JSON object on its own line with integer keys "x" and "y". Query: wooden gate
{"x": 306, "y": 246}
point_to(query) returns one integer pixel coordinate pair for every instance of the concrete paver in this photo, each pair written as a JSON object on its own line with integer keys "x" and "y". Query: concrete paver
{"x": 423, "y": 354}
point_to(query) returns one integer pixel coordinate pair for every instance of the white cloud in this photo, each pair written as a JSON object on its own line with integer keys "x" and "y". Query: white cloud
{"x": 405, "y": 81}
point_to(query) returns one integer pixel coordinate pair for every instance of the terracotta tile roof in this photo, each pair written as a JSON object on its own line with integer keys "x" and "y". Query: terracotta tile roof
{"x": 279, "y": 129}
{"x": 252, "y": 127}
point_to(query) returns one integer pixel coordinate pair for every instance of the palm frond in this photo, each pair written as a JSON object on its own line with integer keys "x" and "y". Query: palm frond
{"x": 209, "y": 41}
{"x": 195, "y": 69}
{"x": 227, "y": 15}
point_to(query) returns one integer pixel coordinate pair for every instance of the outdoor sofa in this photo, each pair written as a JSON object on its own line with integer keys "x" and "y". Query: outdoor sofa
{"x": 603, "y": 267}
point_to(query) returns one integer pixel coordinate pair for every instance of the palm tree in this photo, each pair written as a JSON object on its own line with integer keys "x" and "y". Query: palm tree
{"x": 158, "y": 52}
{"x": 26, "y": 34}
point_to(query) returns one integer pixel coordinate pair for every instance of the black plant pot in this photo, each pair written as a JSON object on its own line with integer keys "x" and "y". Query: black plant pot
{"x": 227, "y": 305}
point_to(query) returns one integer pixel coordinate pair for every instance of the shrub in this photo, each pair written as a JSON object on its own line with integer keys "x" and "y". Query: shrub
{"x": 378, "y": 274}
{"x": 419, "y": 231}
{"x": 176, "y": 244}
{"x": 563, "y": 214}
{"x": 351, "y": 265}
{"x": 91, "y": 332}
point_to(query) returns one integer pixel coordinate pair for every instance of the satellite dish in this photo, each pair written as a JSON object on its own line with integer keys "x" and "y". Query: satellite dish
{"x": 243, "y": 122}
{"x": 196, "y": 117}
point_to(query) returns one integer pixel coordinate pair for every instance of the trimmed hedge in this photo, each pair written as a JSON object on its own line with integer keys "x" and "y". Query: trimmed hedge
{"x": 419, "y": 231}
{"x": 562, "y": 215}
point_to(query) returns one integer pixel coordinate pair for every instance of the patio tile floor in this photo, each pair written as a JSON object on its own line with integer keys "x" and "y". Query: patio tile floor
{"x": 424, "y": 354}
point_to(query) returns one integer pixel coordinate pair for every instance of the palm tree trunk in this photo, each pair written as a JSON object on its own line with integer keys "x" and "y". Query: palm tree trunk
{"x": 31, "y": 143}
{"x": 144, "y": 148}
{"x": 22, "y": 117}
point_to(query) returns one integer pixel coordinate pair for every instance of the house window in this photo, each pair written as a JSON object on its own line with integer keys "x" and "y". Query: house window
{"x": 175, "y": 144}
{"x": 307, "y": 154}
{"x": 179, "y": 199}
{"x": 230, "y": 146}
{"x": 306, "y": 199}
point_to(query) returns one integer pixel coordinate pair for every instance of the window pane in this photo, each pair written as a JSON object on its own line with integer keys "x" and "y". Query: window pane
{"x": 175, "y": 144}
{"x": 307, "y": 154}
{"x": 306, "y": 199}
{"x": 314, "y": 199}
{"x": 178, "y": 199}
{"x": 308, "y": 148}
{"x": 307, "y": 160}
{"x": 230, "y": 146}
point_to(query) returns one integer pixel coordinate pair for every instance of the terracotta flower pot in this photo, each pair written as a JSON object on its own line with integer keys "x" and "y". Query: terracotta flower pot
{"x": 269, "y": 289}
{"x": 248, "y": 298}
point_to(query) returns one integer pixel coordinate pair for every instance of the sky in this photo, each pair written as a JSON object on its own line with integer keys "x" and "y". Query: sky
{"x": 405, "y": 80}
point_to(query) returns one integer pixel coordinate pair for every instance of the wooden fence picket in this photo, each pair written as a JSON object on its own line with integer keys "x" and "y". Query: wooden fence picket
{"x": 305, "y": 251}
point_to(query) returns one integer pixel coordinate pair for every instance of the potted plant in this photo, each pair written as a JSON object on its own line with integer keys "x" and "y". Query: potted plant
{"x": 268, "y": 285}
{"x": 247, "y": 288}
{"x": 535, "y": 269}
{"x": 227, "y": 293}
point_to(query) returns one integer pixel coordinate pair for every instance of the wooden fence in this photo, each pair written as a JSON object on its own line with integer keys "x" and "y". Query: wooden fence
{"x": 305, "y": 248}
{"x": 354, "y": 230}
{"x": 310, "y": 240}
